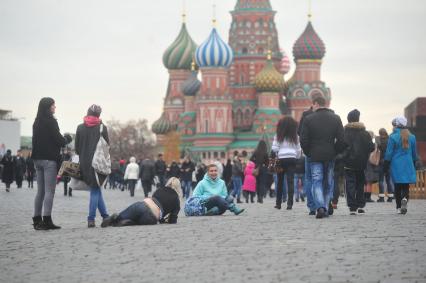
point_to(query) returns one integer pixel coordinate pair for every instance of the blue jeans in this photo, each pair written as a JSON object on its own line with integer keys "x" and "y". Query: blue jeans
{"x": 140, "y": 213}
{"x": 96, "y": 202}
{"x": 221, "y": 203}
{"x": 186, "y": 188}
{"x": 322, "y": 183}
{"x": 307, "y": 185}
{"x": 298, "y": 193}
{"x": 284, "y": 185}
{"x": 237, "y": 183}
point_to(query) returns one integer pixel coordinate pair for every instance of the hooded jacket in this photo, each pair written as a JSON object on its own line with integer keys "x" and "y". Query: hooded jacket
{"x": 132, "y": 170}
{"x": 249, "y": 180}
{"x": 86, "y": 139}
{"x": 359, "y": 146}
{"x": 208, "y": 187}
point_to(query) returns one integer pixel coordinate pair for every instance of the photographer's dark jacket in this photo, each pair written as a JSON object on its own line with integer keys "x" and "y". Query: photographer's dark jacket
{"x": 359, "y": 146}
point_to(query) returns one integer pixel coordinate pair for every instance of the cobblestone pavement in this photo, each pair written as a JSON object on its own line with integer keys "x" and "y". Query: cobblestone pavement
{"x": 260, "y": 245}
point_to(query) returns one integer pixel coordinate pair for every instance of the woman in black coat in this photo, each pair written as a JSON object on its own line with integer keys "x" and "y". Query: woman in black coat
{"x": 8, "y": 169}
{"x": 86, "y": 140}
{"x": 47, "y": 142}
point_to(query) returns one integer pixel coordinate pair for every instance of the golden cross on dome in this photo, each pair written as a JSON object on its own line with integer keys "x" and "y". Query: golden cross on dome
{"x": 214, "y": 14}
{"x": 183, "y": 11}
{"x": 310, "y": 10}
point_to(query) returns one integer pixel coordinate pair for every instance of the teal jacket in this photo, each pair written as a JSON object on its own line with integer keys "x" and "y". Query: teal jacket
{"x": 208, "y": 187}
{"x": 401, "y": 160}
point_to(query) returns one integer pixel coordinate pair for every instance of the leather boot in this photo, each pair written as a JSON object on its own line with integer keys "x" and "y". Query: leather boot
{"x": 38, "y": 223}
{"x": 49, "y": 223}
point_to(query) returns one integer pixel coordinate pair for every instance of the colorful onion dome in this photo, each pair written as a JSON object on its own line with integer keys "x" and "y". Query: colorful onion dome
{"x": 162, "y": 126}
{"x": 253, "y": 4}
{"x": 214, "y": 52}
{"x": 179, "y": 55}
{"x": 192, "y": 85}
{"x": 269, "y": 79}
{"x": 285, "y": 63}
{"x": 309, "y": 45}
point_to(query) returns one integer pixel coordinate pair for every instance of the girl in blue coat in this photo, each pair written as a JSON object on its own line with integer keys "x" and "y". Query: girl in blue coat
{"x": 401, "y": 157}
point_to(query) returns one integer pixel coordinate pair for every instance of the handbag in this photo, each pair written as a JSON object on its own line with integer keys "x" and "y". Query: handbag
{"x": 70, "y": 169}
{"x": 101, "y": 161}
{"x": 374, "y": 157}
{"x": 256, "y": 172}
{"x": 274, "y": 164}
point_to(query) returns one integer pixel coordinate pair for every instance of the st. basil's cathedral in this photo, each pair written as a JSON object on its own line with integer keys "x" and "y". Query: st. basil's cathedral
{"x": 242, "y": 92}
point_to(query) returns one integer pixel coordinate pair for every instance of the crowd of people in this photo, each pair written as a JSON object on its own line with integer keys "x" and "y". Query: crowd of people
{"x": 317, "y": 160}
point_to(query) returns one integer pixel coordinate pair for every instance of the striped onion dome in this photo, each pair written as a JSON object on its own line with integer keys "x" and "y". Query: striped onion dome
{"x": 269, "y": 79}
{"x": 285, "y": 63}
{"x": 162, "y": 126}
{"x": 192, "y": 85}
{"x": 309, "y": 45}
{"x": 214, "y": 52}
{"x": 179, "y": 55}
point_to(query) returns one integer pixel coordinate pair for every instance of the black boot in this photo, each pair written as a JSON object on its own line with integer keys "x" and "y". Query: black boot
{"x": 368, "y": 197}
{"x": 49, "y": 223}
{"x": 38, "y": 223}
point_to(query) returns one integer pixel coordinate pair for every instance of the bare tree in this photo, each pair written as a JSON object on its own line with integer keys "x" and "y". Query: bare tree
{"x": 131, "y": 138}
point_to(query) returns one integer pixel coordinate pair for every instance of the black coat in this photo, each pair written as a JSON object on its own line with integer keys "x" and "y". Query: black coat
{"x": 8, "y": 174}
{"x": 47, "y": 140}
{"x": 86, "y": 140}
{"x": 322, "y": 135}
{"x": 359, "y": 146}
{"x": 160, "y": 167}
{"x": 186, "y": 171}
{"x": 20, "y": 167}
{"x": 304, "y": 115}
{"x": 147, "y": 170}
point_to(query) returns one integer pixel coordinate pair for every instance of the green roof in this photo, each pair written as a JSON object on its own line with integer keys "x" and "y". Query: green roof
{"x": 244, "y": 144}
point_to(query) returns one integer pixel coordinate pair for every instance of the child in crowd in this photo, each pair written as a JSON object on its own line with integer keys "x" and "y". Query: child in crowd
{"x": 249, "y": 185}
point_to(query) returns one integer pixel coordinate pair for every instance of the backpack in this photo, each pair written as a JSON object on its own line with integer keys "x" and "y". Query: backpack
{"x": 194, "y": 206}
{"x": 101, "y": 161}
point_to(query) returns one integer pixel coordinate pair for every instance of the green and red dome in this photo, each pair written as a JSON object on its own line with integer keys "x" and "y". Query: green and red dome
{"x": 162, "y": 126}
{"x": 309, "y": 45}
{"x": 180, "y": 53}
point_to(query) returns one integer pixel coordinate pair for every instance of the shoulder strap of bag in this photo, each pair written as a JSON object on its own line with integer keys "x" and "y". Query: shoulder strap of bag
{"x": 101, "y": 128}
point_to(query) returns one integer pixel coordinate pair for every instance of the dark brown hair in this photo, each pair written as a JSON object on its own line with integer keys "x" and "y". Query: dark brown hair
{"x": 319, "y": 100}
{"x": 287, "y": 130}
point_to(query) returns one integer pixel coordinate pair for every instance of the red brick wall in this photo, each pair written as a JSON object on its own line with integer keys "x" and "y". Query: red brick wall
{"x": 421, "y": 148}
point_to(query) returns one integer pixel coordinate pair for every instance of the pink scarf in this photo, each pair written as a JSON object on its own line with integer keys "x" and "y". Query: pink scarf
{"x": 91, "y": 121}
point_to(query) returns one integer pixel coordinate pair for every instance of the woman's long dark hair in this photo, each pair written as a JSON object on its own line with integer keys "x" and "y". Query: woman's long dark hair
{"x": 44, "y": 105}
{"x": 261, "y": 152}
{"x": 287, "y": 130}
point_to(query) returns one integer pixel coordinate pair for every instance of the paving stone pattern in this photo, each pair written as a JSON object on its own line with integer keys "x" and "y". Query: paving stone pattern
{"x": 261, "y": 245}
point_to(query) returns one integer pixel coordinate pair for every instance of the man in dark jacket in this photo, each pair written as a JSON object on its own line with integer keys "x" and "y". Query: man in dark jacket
{"x": 321, "y": 139}
{"x": 355, "y": 158}
{"x": 147, "y": 174}
{"x": 8, "y": 169}
{"x": 160, "y": 170}
{"x": 20, "y": 168}
{"x": 307, "y": 182}
{"x": 186, "y": 176}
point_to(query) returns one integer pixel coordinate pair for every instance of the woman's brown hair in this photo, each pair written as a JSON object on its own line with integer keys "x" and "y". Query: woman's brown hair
{"x": 287, "y": 130}
{"x": 405, "y": 133}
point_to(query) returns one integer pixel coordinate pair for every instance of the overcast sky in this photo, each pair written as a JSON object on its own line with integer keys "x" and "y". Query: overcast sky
{"x": 109, "y": 52}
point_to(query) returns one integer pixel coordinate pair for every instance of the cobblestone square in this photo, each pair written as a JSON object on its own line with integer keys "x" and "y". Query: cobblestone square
{"x": 261, "y": 245}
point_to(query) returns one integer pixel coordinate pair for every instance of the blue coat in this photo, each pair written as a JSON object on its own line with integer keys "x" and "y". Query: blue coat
{"x": 401, "y": 160}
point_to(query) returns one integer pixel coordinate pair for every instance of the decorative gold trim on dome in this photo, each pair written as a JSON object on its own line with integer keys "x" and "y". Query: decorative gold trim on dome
{"x": 308, "y": 61}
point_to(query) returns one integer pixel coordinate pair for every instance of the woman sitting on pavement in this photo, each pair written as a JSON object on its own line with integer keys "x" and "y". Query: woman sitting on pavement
{"x": 163, "y": 207}
{"x": 213, "y": 195}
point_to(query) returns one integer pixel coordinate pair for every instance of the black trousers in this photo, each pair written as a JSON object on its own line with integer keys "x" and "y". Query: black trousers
{"x": 355, "y": 180}
{"x": 19, "y": 180}
{"x": 261, "y": 182}
{"x": 132, "y": 184}
{"x": 219, "y": 202}
{"x": 289, "y": 167}
{"x": 401, "y": 191}
{"x": 146, "y": 185}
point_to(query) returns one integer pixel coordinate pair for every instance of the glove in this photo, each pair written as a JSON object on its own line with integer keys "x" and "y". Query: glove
{"x": 68, "y": 138}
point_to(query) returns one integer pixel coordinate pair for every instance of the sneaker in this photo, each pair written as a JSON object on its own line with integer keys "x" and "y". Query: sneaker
{"x": 320, "y": 213}
{"x": 352, "y": 211}
{"x": 361, "y": 211}
{"x": 398, "y": 211}
{"x": 390, "y": 199}
{"x": 91, "y": 224}
{"x": 289, "y": 207}
{"x": 278, "y": 206}
{"x": 404, "y": 206}
{"x": 381, "y": 199}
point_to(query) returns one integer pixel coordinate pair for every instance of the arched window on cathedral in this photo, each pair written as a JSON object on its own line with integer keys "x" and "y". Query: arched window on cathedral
{"x": 247, "y": 117}
{"x": 244, "y": 50}
{"x": 242, "y": 79}
{"x": 260, "y": 50}
{"x": 239, "y": 117}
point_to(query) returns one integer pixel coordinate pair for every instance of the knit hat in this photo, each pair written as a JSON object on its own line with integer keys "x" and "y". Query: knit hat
{"x": 353, "y": 116}
{"x": 399, "y": 122}
{"x": 94, "y": 110}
